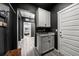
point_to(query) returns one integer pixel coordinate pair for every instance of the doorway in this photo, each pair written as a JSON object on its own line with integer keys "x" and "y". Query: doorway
{"x": 27, "y": 38}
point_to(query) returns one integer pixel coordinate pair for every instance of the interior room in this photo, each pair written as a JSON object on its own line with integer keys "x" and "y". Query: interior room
{"x": 39, "y": 29}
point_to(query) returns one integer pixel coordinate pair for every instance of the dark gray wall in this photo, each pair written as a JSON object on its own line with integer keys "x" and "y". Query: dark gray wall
{"x": 54, "y": 17}
{"x": 54, "y": 11}
{"x": 12, "y": 31}
{"x": 13, "y": 37}
{"x": 8, "y": 35}
{"x": 2, "y": 39}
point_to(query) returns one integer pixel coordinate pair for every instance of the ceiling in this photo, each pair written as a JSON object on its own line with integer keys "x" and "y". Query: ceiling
{"x": 47, "y": 6}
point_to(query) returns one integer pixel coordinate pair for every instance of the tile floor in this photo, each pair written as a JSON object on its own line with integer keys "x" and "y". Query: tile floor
{"x": 51, "y": 53}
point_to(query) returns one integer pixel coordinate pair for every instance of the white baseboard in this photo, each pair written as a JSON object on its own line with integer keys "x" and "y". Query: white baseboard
{"x": 56, "y": 50}
{"x": 59, "y": 53}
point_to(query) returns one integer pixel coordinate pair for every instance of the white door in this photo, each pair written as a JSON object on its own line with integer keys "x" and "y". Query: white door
{"x": 68, "y": 30}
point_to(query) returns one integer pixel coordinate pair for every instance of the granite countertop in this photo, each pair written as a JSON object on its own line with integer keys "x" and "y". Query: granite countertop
{"x": 46, "y": 34}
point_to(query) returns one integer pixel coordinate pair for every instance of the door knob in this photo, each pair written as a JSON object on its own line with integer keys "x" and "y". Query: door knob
{"x": 45, "y": 25}
{"x": 61, "y": 34}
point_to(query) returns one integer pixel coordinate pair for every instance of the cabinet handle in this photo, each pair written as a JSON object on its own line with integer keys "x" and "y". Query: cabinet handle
{"x": 45, "y": 25}
{"x": 49, "y": 41}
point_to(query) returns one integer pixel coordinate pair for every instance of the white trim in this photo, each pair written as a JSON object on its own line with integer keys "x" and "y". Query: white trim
{"x": 56, "y": 50}
{"x": 58, "y": 32}
{"x": 12, "y": 8}
{"x": 17, "y": 28}
{"x": 18, "y": 42}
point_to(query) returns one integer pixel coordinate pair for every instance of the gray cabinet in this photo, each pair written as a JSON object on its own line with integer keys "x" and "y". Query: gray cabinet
{"x": 51, "y": 41}
{"x": 2, "y": 41}
{"x": 45, "y": 43}
{"x": 43, "y": 18}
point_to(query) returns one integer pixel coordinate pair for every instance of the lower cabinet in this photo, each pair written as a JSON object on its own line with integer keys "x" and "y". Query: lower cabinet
{"x": 45, "y": 43}
{"x": 51, "y": 41}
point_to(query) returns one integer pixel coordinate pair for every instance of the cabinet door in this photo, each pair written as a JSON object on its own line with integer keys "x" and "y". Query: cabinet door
{"x": 45, "y": 44}
{"x": 39, "y": 44}
{"x": 51, "y": 42}
{"x": 41, "y": 17}
{"x": 48, "y": 19}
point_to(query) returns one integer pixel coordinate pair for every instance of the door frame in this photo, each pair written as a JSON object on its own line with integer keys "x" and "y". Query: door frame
{"x": 59, "y": 22}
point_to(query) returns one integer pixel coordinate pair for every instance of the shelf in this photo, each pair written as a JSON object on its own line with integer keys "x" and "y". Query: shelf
{"x": 2, "y": 16}
{"x": 3, "y": 24}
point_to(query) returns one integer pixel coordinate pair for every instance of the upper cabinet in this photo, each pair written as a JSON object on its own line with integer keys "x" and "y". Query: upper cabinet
{"x": 27, "y": 14}
{"x": 43, "y": 18}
